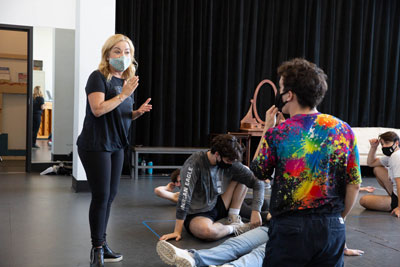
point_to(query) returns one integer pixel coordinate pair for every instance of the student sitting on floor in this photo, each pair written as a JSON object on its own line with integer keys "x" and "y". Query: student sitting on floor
{"x": 167, "y": 191}
{"x": 214, "y": 184}
{"x": 387, "y": 172}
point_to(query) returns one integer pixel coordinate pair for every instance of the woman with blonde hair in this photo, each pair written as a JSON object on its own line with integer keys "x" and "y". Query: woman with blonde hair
{"x": 38, "y": 107}
{"x": 109, "y": 112}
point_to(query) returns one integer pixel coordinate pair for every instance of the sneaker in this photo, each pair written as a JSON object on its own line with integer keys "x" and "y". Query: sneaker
{"x": 241, "y": 228}
{"x": 231, "y": 219}
{"x": 172, "y": 255}
{"x": 111, "y": 256}
{"x": 35, "y": 146}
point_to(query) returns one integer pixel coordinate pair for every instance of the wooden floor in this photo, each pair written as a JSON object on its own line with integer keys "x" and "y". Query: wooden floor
{"x": 44, "y": 223}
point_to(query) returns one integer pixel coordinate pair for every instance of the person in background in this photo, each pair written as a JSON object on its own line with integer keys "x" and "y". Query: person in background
{"x": 101, "y": 144}
{"x": 387, "y": 172}
{"x": 38, "y": 107}
{"x": 167, "y": 191}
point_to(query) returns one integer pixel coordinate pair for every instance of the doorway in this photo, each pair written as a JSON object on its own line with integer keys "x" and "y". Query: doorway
{"x": 15, "y": 97}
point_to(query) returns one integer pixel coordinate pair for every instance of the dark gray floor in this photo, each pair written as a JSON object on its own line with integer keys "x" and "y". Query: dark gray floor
{"x": 44, "y": 223}
{"x": 43, "y": 153}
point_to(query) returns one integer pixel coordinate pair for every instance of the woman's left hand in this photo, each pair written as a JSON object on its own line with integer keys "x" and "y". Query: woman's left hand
{"x": 145, "y": 107}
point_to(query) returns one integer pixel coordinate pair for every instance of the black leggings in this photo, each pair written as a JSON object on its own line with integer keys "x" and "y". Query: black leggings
{"x": 103, "y": 171}
{"x": 35, "y": 126}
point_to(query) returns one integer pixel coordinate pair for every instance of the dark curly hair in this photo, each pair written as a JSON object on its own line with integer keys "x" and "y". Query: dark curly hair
{"x": 304, "y": 79}
{"x": 227, "y": 146}
{"x": 174, "y": 175}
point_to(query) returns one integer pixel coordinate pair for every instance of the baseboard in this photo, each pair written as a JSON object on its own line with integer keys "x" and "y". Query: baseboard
{"x": 80, "y": 185}
{"x": 60, "y": 157}
{"x": 40, "y": 166}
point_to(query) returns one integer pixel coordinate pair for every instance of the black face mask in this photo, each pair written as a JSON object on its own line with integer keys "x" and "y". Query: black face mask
{"x": 221, "y": 164}
{"x": 279, "y": 102}
{"x": 388, "y": 151}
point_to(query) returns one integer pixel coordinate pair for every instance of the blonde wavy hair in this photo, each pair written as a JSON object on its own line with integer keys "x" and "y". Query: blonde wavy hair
{"x": 37, "y": 92}
{"x": 104, "y": 66}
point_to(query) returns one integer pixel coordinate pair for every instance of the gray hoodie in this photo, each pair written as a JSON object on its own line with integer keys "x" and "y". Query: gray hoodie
{"x": 202, "y": 183}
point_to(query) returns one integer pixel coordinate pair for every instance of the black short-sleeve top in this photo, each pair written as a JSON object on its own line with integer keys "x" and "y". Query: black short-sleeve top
{"x": 108, "y": 132}
{"x": 37, "y": 105}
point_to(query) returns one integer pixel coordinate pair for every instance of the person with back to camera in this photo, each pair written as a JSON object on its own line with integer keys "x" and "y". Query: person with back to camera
{"x": 109, "y": 112}
{"x": 38, "y": 107}
{"x": 317, "y": 172}
{"x": 387, "y": 172}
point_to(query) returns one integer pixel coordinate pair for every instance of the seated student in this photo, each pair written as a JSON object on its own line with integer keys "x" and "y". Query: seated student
{"x": 167, "y": 191}
{"x": 214, "y": 184}
{"x": 387, "y": 172}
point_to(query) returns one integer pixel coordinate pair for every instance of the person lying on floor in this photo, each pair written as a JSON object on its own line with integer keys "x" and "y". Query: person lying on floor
{"x": 214, "y": 185}
{"x": 167, "y": 191}
{"x": 245, "y": 250}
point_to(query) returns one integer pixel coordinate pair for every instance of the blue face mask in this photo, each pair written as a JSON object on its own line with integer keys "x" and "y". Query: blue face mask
{"x": 120, "y": 64}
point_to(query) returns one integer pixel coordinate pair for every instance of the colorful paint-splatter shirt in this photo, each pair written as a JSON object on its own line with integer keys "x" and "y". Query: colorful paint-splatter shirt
{"x": 314, "y": 157}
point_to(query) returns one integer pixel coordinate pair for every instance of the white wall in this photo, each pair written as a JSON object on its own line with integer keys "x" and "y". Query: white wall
{"x": 93, "y": 27}
{"x": 43, "y": 49}
{"x": 44, "y": 13}
{"x": 63, "y": 111}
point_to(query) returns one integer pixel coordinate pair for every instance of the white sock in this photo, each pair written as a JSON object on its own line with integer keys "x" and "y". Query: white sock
{"x": 233, "y": 211}
{"x": 231, "y": 229}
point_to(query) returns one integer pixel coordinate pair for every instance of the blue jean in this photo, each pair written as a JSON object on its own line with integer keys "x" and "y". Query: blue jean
{"x": 305, "y": 240}
{"x": 244, "y": 250}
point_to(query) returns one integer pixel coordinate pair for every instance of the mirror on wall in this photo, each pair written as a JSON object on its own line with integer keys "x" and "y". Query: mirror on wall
{"x": 42, "y": 88}
{"x": 53, "y": 80}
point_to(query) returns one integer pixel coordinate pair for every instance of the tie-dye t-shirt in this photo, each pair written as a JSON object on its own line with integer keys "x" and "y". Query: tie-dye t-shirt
{"x": 314, "y": 157}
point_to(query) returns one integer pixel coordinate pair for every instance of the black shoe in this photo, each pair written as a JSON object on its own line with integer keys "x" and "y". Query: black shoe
{"x": 97, "y": 257}
{"x": 35, "y": 146}
{"x": 111, "y": 256}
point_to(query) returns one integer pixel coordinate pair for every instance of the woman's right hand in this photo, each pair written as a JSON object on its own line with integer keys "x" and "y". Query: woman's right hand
{"x": 130, "y": 86}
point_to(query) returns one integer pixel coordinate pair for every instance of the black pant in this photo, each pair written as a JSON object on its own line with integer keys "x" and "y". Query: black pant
{"x": 103, "y": 172}
{"x": 305, "y": 240}
{"x": 35, "y": 126}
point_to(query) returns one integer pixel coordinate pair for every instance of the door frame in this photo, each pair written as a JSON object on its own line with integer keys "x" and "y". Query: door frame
{"x": 29, "y": 105}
